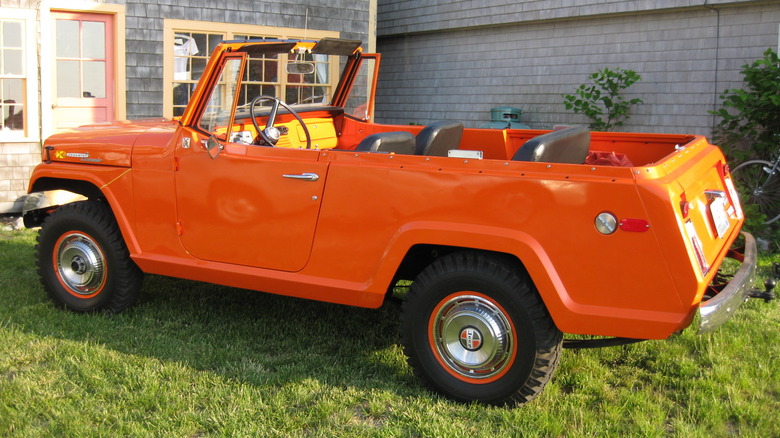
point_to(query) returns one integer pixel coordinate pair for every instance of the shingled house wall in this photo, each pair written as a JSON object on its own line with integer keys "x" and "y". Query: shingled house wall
{"x": 457, "y": 59}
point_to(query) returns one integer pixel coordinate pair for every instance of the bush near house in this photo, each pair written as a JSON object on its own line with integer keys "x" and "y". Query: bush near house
{"x": 749, "y": 124}
{"x": 602, "y": 100}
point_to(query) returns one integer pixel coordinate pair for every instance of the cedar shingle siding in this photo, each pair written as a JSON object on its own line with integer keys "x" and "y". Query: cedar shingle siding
{"x": 144, "y": 33}
{"x": 456, "y": 60}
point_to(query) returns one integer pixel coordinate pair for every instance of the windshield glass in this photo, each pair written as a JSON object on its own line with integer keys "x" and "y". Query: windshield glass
{"x": 217, "y": 113}
{"x": 359, "y": 99}
{"x": 267, "y": 75}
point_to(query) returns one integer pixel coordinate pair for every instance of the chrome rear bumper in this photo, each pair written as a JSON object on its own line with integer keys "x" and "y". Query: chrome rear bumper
{"x": 716, "y": 310}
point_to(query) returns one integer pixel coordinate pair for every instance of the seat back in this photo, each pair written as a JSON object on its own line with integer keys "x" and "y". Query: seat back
{"x": 439, "y": 137}
{"x": 568, "y": 145}
{"x": 398, "y": 142}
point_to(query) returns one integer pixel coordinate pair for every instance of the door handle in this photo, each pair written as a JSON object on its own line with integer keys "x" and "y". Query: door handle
{"x": 303, "y": 176}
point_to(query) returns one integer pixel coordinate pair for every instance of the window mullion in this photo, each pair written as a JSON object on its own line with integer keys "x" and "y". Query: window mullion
{"x": 282, "y": 75}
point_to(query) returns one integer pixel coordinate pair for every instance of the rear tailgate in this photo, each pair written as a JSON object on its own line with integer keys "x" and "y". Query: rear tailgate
{"x": 695, "y": 211}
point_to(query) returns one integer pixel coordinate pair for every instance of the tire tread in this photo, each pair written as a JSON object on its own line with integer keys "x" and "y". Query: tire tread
{"x": 509, "y": 271}
{"x": 127, "y": 277}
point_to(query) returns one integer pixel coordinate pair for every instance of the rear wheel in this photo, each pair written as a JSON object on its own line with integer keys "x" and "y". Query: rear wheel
{"x": 475, "y": 329}
{"x": 83, "y": 262}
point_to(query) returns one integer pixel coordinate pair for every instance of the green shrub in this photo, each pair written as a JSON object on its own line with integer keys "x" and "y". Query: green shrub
{"x": 602, "y": 100}
{"x": 750, "y": 117}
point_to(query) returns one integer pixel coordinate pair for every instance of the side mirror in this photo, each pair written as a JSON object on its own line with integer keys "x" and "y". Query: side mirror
{"x": 214, "y": 147}
{"x": 300, "y": 68}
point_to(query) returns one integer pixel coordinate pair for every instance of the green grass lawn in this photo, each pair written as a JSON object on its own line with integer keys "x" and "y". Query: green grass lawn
{"x": 196, "y": 360}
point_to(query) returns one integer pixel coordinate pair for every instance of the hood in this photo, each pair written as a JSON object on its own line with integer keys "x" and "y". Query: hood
{"x": 108, "y": 144}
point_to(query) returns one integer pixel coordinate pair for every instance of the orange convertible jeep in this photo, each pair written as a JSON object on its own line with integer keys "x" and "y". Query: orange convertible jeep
{"x": 510, "y": 238}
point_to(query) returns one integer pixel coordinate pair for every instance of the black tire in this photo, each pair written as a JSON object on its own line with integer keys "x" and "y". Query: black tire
{"x": 475, "y": 329}
{"x": 83, "y": 262}
{"x": 753, "y": 178}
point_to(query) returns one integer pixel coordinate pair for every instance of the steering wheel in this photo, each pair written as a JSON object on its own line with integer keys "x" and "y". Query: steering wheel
{"x": 271, "y": 134}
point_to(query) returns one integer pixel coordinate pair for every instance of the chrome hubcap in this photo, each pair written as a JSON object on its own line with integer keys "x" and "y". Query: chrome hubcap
{"x": 80, "y": 264}
{"x": 473, "y": 336}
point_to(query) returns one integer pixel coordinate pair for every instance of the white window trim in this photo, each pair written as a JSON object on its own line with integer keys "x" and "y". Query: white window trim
{"x": 32, "y": 131}
{"x": 171, "y": 26}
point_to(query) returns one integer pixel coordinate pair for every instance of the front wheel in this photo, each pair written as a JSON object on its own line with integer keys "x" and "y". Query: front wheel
{"x": 83, "y": 262}
{"x": 475, "y": 329}
{"x": 761, "y": 187}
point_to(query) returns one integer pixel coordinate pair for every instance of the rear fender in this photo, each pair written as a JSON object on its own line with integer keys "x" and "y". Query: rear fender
{"x": 569, "y": 315}
{"x": 485, "y": 238}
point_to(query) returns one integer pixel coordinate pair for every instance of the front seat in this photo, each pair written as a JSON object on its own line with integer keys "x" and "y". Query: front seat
{"x": 568, "y": 145}
{"x": 396, "y": 142}
{"x": 438, "y": 138}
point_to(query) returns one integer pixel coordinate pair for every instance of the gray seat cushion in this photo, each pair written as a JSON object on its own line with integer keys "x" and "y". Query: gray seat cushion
{"x": 568, "y": 145}
{"x": 398, "y": 142}
{"x": 439, "y": 137}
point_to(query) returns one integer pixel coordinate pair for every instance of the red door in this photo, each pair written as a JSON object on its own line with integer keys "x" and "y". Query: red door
{"x": 84, "y": 69}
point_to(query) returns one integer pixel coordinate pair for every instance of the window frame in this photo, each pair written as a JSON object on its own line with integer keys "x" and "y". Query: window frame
{"x": 228, "y": 100}
{"x": 31, "y": 126}
{"x": 229, "y": 31}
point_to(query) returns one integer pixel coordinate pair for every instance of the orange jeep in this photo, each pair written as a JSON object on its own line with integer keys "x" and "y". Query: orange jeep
{"x": 509, "y": 237}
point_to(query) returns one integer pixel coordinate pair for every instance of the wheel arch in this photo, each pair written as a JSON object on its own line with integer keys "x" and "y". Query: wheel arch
{"x": 84, "y": 188}
{"x": 514, "y": 246}
{"x": 421, "y": 255}
{"x": 47, "y": 193}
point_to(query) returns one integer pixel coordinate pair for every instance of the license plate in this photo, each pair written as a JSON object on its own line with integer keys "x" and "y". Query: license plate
{"x": 719, "y": 216}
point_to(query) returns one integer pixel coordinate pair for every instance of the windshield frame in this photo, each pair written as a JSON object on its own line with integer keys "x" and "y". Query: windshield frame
{"x": 248, "y": 48}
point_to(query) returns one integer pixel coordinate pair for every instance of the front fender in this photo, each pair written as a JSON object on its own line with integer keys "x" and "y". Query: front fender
{"x": 114, "y": 184}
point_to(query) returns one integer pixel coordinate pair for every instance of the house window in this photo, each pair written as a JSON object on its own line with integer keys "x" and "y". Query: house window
{"x": 191, "y": 52}
{"x": 13, "y": 82}
{"x": 189, "y": 45}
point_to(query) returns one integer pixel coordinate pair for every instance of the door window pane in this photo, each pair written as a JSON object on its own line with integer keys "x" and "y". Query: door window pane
{"x": 81, "y": 59}
{"x": 94, "y": 79}
{"x": 68, "y": 83}
{"x": 94, "y": 40}
{"x": 67, "y": 39}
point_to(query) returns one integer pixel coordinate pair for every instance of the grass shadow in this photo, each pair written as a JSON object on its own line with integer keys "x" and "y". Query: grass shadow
{"x": 251, "y": 336}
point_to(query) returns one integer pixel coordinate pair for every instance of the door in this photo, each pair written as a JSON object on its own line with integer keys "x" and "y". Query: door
{"x": 249, "y": 205}
{"x": 252, "y": 205}
{"x": 83, "y": 69}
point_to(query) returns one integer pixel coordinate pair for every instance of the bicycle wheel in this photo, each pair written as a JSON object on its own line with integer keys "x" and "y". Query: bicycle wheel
{"x": 761, "y": 187}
